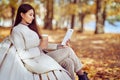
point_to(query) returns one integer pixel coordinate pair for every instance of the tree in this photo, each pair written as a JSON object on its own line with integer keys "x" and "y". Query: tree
{"x": 49, "y": 14}
{"x": 100, "y": 16}
{"x": 87, "y": 7}
{"x": 13, "y": 6}
{"x": 81, "y": 17}
{"x": 73, "y": 16}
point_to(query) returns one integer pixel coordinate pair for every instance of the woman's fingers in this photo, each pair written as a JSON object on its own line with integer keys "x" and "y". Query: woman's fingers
{"x": 68, "y": 43}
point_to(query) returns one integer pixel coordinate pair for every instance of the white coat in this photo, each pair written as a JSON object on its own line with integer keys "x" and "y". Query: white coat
{"x": 26, "y": 43}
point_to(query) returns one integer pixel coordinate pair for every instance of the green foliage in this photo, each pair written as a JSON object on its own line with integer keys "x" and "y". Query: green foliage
{"x": 114, "y": 19}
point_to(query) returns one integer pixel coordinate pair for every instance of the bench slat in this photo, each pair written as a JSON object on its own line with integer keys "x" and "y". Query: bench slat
{"x": 51, "y": 76}
{"x": 36, "y": 77}
{"x": 3, "y": 50}
{"x": 15, "y": 72}
{"x": 59, "y": 75}
{"x": 65, "y": 75}
{"x": 22, "y": 71}
{"x": 5, "y": 69}
{"x": 44, "y": 77}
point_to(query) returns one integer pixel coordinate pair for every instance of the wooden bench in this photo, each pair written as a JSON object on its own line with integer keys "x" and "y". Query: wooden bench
{"x": 12, "y": 68}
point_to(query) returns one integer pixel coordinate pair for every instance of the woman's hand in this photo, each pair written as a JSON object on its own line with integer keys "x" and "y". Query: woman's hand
{"x": 68, "y": 43}
{"x": 59, "y": 46}
{"x": 44, "y": 42}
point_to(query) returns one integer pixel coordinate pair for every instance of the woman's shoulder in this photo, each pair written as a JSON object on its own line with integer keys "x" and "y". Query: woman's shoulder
{"x": 19, "y": 27}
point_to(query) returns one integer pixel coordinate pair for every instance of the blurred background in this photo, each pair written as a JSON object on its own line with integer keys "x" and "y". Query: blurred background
{"x": 96, "y": 24}
{"x": 100, "y": 16}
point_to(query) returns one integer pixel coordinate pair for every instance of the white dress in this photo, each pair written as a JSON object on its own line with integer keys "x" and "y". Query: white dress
{"x": 26, "y": 43}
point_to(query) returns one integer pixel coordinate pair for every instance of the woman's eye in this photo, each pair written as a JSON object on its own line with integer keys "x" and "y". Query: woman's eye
{"x": 31, "y": 14}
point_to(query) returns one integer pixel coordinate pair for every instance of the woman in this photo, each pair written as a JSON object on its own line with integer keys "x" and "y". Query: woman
{"x": 26, "y": 38}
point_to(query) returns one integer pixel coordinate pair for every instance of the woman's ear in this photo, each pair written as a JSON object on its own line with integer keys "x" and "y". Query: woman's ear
{"x": 22, "y": 15}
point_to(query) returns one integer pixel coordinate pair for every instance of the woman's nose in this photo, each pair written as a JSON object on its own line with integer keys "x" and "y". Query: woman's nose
{"x": 33, "y": 17}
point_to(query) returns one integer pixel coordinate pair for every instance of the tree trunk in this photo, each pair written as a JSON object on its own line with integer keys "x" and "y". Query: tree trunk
{"x": 72, "y": 21}
{"x": 100, "y": 17}
{"x": 82, "y": 16}
{"x": 73, "y": 16}
{"x": 13, "y": 15}
{"x": 49, "y": 15}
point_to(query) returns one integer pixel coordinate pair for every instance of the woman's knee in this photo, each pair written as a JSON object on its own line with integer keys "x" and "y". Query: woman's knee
{"x": 68, "y": 49}
{"x": 67, "y": 62}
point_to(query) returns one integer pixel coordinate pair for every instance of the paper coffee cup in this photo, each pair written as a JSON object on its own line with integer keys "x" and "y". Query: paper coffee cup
{"x": 44, "y": 41}
{"x": 44, "y": 35}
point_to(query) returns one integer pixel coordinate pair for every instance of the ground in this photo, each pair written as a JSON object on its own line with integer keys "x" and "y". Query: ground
{"x": 99, "y": 53}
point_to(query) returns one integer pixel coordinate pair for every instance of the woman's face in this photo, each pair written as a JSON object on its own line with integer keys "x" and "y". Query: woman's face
{"x": 28, "y": 17}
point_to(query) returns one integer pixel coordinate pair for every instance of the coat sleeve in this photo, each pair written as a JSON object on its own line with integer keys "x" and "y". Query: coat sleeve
{"x": 19, "y": 43}
{"x": 52, "y": 46}
{"x": 18, "y": 40}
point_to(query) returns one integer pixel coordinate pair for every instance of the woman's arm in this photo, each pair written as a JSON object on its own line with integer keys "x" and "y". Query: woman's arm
{"x": 52, "y": 46}
{"x": 19, "y": 43}
{"x": 18, "y": 40}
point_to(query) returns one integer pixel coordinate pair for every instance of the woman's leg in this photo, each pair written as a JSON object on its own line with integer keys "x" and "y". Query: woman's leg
{"x": 64, "y": 53}
{"x": 61, "y": 55}
{"x": 68, "y": 64}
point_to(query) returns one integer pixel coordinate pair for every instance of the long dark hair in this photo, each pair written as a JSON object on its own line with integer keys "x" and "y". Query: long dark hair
{"x": 23, "y": 8}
